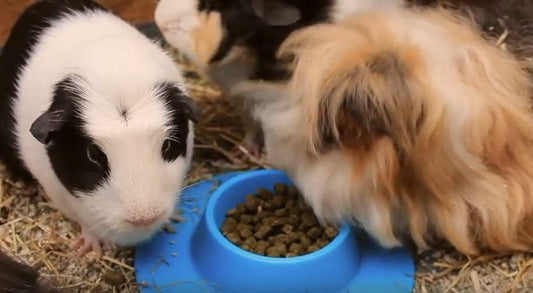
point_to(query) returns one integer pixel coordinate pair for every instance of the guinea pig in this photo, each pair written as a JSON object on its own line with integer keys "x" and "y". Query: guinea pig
{"x": 20, "y": 278}
{"x": 409, "y": 123}
{"x": 233, "y": 40}
{"x": 98, "y": 115}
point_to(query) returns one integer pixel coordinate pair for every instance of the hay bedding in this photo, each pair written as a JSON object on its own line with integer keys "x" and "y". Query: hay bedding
{"x": 40, "y": 236}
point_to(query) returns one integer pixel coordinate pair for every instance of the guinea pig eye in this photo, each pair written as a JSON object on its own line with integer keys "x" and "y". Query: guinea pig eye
{"x": 167, "y": 150}
{"x": 96, "y": 156}
{"x": 167, "y": 144}
{"x": 172, "y": 149}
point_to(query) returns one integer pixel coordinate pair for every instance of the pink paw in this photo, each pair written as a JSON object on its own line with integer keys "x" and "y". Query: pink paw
{"x": 88, "y": 242}
{"x": 251, "y": 147}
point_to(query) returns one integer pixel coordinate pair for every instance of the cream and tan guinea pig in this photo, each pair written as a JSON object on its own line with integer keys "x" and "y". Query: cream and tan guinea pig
{"x": 409, "y": 123}
{"x": 234, "y": 40}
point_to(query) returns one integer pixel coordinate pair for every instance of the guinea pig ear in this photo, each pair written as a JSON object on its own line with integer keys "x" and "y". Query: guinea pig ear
{"x": 275, "y": 12}
{"x": 178, "y": 101}
{"x": 369, "y": 101}
{"x": 49, "y": 122}
{"x": 66, "y": 92}
{"x": 352, "y": 96}
{"x": 193, "y": 110}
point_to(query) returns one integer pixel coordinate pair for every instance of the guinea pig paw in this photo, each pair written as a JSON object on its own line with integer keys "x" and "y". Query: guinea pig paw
{"x": 250, "y": 150}
{"x": 87, "y": 243}
{"x": 252, "y": 147}
{"x": 108, "y": 245}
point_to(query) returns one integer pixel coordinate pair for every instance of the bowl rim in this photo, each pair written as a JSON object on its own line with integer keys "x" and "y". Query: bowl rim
{"x": 213, "y": 229}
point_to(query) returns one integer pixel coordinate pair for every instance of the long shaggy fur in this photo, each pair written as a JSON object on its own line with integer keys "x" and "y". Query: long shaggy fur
{"x": 408, "y": 122}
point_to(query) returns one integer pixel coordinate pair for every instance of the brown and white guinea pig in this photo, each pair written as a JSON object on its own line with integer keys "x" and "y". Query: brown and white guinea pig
{"x": 17, "y": 277}
{"x": 410, "y": 123}
{"x": 234, "y": 40}
{"x": 98, "y": 115}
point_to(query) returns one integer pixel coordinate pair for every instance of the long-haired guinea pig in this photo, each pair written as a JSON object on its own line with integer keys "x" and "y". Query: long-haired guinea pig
{"x": 98, "y": 115}
{"x": 411, "y": 124}
{"x": 233, "y": 40}
{"x": 17, "y": 277}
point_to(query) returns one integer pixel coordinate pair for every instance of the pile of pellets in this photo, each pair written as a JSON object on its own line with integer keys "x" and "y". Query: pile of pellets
{"x": 276, "y": 224}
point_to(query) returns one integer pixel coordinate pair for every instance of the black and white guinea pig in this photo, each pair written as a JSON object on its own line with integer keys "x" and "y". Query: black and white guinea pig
{"x": 98, "y": 115}
{"x": 233, "y": 41}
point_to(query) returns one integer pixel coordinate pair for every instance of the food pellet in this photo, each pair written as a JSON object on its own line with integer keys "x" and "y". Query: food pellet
{"x": 234, "y": 237}
{"x": 295, "y": 248}
{"x": 246, "y": 219}
{"x": 261, "y": 247}
{"x": 314, "y": 233}
{"x": 263, "y": 232}
{"x": 280, "y": 189}
{"x": 245, "y": 233}
{"x": 241, "y": 208}
{"x": 276, "y": 224}
{"x": 251, "y": 242}
{"x": 313, "y": 248}
{"x": 330, "y": 232}
{"x": 231, "y": 212}
{"x": 264, "y": 194}
{"x": 286, "y": 229}
{"x": 293, "y": 192}
{"x": 273, "y": 252}
{"x": 282, "y": 249}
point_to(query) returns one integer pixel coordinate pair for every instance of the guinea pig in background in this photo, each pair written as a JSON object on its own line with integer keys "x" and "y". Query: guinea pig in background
{"x": 16, "y": 277}
{"x": 410, "y": 123}
{"x": 233, "y": 41}
{"x": 99, "y": 116}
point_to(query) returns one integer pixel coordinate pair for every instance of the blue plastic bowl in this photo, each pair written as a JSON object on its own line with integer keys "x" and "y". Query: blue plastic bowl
{"x": 198, "y": 258}
{"x": 338, "y": 261}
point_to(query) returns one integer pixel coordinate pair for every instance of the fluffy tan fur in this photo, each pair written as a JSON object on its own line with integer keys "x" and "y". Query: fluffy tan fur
{"x": 207, "y": 37}
{"x": 409, "y": 121}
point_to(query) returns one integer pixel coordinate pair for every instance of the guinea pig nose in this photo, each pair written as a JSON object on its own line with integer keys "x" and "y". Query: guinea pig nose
{"x": 143, "y": 221}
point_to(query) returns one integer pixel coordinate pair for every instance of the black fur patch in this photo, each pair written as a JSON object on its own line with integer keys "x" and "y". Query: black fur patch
{"x": 183, "y": 109}
{"x": 24, "y": 35}
{"x": 242, "y": 26}
{"x": 19, "y": 277}
{"x": 79, "y": 164}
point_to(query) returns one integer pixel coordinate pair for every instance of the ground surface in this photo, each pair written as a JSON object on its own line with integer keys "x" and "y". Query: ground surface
{"x": 41, "y": 236}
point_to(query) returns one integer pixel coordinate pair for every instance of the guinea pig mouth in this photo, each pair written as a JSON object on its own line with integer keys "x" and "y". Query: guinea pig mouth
{"x": 173, "y": 26}
{"x": 144, "y": 223}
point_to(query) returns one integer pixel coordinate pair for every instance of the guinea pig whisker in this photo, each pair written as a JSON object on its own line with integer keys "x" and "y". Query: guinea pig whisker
{"x": 97, "y": 224}
{"x": 171, "y": 138}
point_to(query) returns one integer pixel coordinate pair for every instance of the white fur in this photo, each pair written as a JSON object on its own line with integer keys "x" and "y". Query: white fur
{"x": 176, "y": 20}
{"x": 119, "y": 67}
